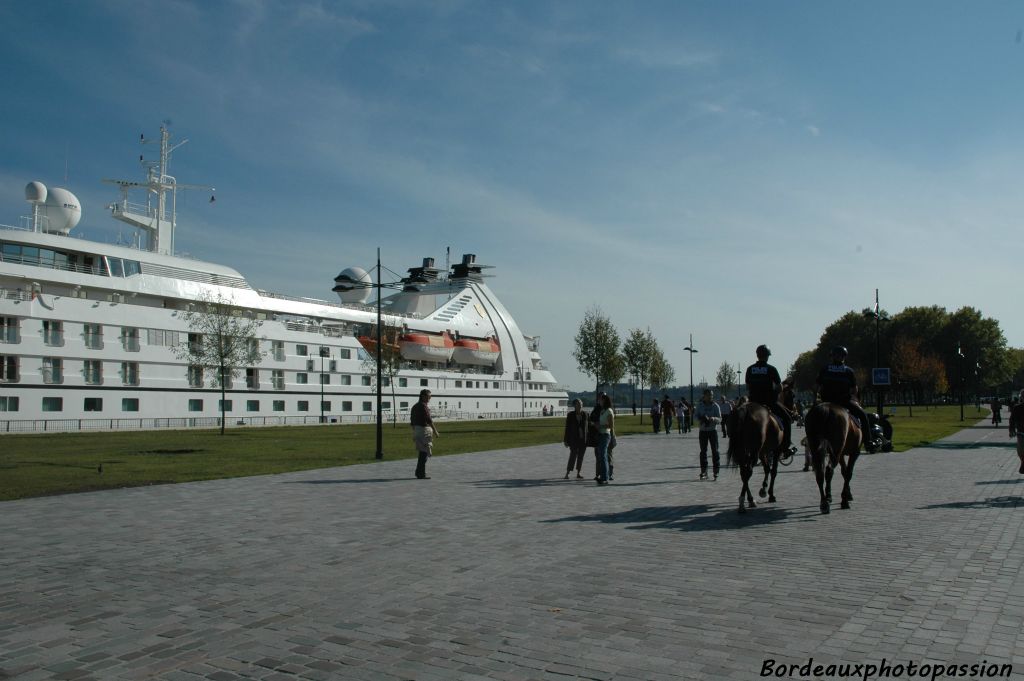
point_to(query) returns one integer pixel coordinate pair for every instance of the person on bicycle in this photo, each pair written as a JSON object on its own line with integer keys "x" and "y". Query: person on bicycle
{"x": 763, "y": 386}
{"x": 837, "y": 384}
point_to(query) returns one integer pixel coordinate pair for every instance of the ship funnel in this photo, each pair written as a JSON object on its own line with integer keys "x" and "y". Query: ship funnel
{"x": 428, "y": 263}
{"x": 468, "y": 258}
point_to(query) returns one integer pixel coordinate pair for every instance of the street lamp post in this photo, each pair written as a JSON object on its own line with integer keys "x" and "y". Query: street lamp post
{"x": 324, "y": 351}
{"x": 739, "y": 381}
{"x": 690, "y": 349}
{"x": 879, "y": 317}
{"x": 960, "y": 376}
{"x": 346, "y": 283}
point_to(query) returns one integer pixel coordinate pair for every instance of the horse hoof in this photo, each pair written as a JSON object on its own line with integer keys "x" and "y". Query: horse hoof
{"x": 824, "y": 508}
{"x": 761, "y": 493}
{"x": 751, "y": 504}
{"x": 771, "y": 499}
{"x": 741, "y": 509}
{"x": 845, "y": 504}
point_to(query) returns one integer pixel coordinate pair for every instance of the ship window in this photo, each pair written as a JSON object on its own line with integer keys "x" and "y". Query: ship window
{"x": 302, "y": 379}
{"x": 53, "y": 332}
{"x": 385, "y": 405}
{"x": 458, "y": 384}
{"x": 93, "y": 336}
{"x": 129, "y": 404}
{"x": 195, "y": 405}
{"x": 252, "y": 379}
{"x": 301, "y": 350}
{"x": 423, "y": 382}
{"x": 53, "y": 370}
{"x": 9, "y": 330}
{"x": 403, "y": 405}
{"x": 8, "y": 369}
{"x": 116, "y": 267}
{"x": 12, "y": 252}
{"x": 8, "y": 403}
{"x": 132, "y": 267}
{"x": 346, "y": 406}
{"x": 345, "y": 353}
{"x": 303, "y": 405}
{"x": 130, "y": 338}
{"x": 403, "y": 383}
{"x": 346, "y": 379}
{"x": 53, "y": 404}
{"x": 224, "y": 405}
{"x": 325, "y": 406}
{"x": 93, "y": 370}
{"x": 366, "y": 380}
{"x": 93, "y": 404}
{"x": 367, "y": 406}
{"x": 277, "y": 378}
{"x": 46, "y": 257}
{"x": 325, "y": 379}
{"x": 195, "y": 376}
{"x": 130, "y": 373}
{"x": 29, "y": 255}
{"x": 252, "y": 405}
{"x": 278, "y": 405}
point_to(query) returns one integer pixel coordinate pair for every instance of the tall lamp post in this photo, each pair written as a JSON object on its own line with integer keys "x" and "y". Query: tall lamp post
{"x": 324, "y": 352}
{"x": 690, "y": 349}
{"x": 739, "y": 381}
{"x": 977, "y": 385}
{"x": 343, "y": 283}
{"x": 960, "y": 376}
{"x": 879, "y": 317}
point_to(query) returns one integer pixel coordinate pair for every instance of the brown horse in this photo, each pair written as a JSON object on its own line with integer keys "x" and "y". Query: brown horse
{"x": 834, "y": 440}
{"x": 754, "y": 437}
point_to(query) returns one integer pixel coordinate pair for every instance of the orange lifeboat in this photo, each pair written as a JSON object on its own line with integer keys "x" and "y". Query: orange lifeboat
{"x": 426, "y": 347}
{"x": 369, "y": 344}
{"x": 480, "y": 351}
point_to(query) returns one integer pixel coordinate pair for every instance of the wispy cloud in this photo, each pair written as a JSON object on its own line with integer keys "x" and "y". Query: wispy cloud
{"x": 673, "y": 57}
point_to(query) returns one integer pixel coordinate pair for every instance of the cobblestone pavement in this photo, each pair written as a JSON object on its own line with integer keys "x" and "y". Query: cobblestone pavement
{"x": 499, "y": 569}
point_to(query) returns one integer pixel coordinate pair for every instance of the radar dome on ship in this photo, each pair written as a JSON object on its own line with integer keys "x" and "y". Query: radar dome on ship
{"x": 353, "y": 285}
{"x": 57, "y": 210}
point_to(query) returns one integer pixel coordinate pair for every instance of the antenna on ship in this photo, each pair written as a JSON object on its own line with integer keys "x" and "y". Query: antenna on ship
{"x": 157, "y": 222}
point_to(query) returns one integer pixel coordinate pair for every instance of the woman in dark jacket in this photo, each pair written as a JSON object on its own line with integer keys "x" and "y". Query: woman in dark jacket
{"x": 576, "y": 423}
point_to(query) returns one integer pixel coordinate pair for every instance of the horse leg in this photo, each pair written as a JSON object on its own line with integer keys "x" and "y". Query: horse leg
{"x": 744, "y": 477}
{"x": 847, "y": 495}
{"x": 775, "y": 472}
{"x": 764, "y": 483}
{"x": 819, "y": 476}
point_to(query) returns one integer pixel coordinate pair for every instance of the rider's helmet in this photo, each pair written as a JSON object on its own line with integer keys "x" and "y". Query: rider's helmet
{"x": 763, "y": 352}
{"x": 839, "y": 352}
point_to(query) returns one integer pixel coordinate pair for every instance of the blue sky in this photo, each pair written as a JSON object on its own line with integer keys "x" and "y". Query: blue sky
{"x": 743, "y": 171}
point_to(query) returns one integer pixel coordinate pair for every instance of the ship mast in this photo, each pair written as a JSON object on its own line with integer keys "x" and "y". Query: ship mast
{"x": 156, "y": 221}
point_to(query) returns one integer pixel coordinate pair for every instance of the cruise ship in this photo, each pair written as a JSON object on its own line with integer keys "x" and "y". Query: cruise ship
{"x": 90, "y": 333}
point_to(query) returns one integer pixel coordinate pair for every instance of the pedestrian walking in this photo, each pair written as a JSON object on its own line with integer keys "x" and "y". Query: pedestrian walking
{"x": 1017, "y": 428}
{"x": 725, "y": 406}
{"x": 668, "y": 410}
{"x": 656, "y": 415}
{"x": 575, "y": 438}
{"x": 709, "y": 416}
{"x": 605, "y": 437}
{"x": 689, "y": 415}
{"x": 997, "y": 412}
{"x": 423, "y": 433}
{"x": 680, "y": 415}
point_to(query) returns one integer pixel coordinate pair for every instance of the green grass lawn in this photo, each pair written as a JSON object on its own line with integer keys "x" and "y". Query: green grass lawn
{"x": 35, "y": 465}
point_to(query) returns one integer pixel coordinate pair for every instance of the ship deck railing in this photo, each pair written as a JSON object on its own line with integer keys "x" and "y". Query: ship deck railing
{"x": 24, "y": 426}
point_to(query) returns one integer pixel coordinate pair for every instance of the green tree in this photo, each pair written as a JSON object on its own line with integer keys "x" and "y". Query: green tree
{"x": 725, "y": 378}
{"x": 226, "y": 341}
{"x": 662, "y": 373}
{"x": 638, "y": 353}
{"x": 597, "y": 347}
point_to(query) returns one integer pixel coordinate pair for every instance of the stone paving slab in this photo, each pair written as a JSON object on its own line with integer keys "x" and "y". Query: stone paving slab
{"x": 499, "y": 569}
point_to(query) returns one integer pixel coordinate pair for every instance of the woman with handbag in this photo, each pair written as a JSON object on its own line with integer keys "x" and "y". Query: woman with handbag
{"x": 576, "y": 425}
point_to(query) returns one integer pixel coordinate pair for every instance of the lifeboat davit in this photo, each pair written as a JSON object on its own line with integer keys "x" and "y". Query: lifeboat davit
{"x": 482, "y": 351}
{"x": 426, "y": 347}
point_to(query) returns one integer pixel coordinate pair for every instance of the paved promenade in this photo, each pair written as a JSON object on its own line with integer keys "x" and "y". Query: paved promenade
{"x": 498, "y": 569}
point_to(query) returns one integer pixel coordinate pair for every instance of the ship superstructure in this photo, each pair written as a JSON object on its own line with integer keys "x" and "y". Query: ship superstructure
{"x": 89, "y": 331}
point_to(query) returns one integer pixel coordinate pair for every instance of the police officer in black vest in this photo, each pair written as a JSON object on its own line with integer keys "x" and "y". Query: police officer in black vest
{"x": 763, "y": 386}
{"x": 838, "y": 384}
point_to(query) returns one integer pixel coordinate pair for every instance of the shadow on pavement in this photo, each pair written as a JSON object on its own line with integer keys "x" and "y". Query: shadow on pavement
{"x": 1008, "y": 481}
{"x": 994, "y": 502}
{"x": 343, "y": 482}
{"x": 516, "y": 483}
{"x": 695, "y": 518}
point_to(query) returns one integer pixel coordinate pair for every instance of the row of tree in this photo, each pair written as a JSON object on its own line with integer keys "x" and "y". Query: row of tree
{"x": 929, "y": 350}
{"x": 601, "y": 354}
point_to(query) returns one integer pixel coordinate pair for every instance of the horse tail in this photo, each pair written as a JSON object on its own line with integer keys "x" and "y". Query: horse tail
{"x": 817, "y": 423}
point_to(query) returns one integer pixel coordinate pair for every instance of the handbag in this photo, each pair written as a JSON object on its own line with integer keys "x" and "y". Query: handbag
{"x": 591, "y": 435}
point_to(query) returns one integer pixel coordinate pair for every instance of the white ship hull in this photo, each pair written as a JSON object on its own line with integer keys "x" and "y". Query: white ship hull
{"x": 90, "y": 344}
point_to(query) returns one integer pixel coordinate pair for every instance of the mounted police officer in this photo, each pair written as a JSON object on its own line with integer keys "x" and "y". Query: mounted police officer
{"x": 763, "y": 386}
{"x": 838, "y": 384}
